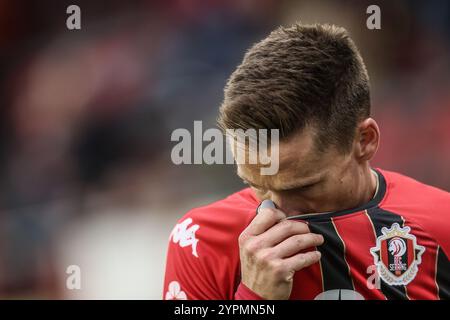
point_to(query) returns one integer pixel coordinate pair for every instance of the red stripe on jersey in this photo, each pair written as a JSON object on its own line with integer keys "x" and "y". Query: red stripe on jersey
{"x": 423, "y": 286}
{"x": 309, "y": 283}
{"x": 384, "y": 252}
{"x": 411, "y": 255}
{"x": 358, "y": 241}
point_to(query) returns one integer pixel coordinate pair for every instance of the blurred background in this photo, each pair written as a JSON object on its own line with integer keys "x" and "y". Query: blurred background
{"x": 86, "y": 115}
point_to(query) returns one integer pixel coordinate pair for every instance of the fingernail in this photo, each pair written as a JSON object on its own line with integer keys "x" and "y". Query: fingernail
{"x": 266, "y": 204}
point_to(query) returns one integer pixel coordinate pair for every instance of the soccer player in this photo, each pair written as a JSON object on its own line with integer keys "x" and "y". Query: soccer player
{"x": 327, "y": 225}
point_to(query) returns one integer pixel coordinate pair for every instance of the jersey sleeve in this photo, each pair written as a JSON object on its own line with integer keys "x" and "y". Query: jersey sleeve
{"x": 437, "y": 224}
{"x": 427, "y": 206}
{"x": 190, "y": 273}
{"x": 244, "y": 293}
{"x": 436, "y": 217}
{"x": 203, "y": 253}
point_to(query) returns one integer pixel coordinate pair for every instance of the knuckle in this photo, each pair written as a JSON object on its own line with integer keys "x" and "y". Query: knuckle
{"x": 274, "y": 265}
{"x": 287, "y": 226}
{"x": 289, "y": 275}
{"x": 248, "y": 250}
{"x": 304, "y": 227}
{"x": 295, "y": 227}
{"x": 278, "y": 269}
{"x": 299, "y": 240}
{"x": 302, "y": 260}
{"x": 309, "y": 258}
{"x": 252, "y": 247}
{"x": 310, "y": 238}
{"x": 265, "y": 256}
{"x": 299, "y": 226}
{"x": 243, "y": 237}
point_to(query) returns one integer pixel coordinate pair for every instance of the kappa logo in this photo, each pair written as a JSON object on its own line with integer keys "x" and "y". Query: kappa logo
{"x": 185, "y": 235}
{"x": 397, "y": 255}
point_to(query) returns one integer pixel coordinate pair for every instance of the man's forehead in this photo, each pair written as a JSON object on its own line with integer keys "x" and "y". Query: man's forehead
{"x": 296, "y": 165}
{"x": 298, "y": 154}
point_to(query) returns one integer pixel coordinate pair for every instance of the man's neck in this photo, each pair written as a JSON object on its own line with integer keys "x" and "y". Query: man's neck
{"x": 369, "y": 186}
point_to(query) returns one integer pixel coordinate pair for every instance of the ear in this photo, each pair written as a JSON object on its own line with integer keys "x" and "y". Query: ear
{"x": 367, "y": 139}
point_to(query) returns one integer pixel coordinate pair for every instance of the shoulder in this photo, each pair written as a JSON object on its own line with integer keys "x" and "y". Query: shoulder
{"x": 404, "y": 190}
{"x": 203, "y": 253}
{"x": 215, "y": 226}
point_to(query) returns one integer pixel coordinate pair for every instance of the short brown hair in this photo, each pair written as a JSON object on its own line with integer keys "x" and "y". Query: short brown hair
{"x": 297, "y": 76}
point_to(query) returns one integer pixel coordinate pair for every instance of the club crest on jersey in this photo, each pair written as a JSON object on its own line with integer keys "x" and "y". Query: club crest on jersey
{"x": 397, "y": 255}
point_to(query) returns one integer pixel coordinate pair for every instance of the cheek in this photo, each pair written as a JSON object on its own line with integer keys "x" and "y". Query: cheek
{"x": 328, "y": 191}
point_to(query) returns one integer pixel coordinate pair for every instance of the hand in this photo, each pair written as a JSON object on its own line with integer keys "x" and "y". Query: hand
{"x": 270, "y": 252}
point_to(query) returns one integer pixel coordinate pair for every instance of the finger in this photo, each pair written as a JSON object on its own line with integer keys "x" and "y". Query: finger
{"x": 282, "y": 231}
{"x": 266, "y": 218}
{"x": 303, "y": 260}
{"x": 297, "y": 243}
{"x": 267, "y": 204}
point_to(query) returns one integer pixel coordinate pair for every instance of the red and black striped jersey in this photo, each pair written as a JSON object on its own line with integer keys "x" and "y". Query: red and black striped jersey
{"x": 394, "y": 247}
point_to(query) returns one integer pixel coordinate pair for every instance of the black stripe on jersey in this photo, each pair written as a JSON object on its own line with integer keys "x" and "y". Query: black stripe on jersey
{"x": 381, "y": 218}
{"x": 443, "y": 275}
{"x": 334, "y": 267}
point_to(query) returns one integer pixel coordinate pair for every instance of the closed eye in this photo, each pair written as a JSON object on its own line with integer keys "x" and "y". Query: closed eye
{"x": 307, "y": 186}
{"x": 301, "y": 188}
